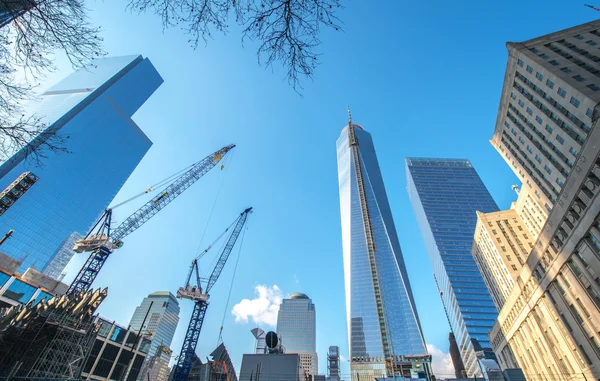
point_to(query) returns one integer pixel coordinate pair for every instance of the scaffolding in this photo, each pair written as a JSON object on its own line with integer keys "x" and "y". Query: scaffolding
{"x": 49, "y": 338}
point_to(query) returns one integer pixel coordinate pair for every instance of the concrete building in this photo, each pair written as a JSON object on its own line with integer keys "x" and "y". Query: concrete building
{"x": 87, "y": 113}
{"x": 501, "y": 245}
{"x": 218, "y": 367}
{"x": 382, "y": 319}
{"x": 272, "y": 367}
{"x": 445, "y": 195}
{"x": 550, "y": 91}
{"x": 459, "y": 366}
{"x": 117, "y": 354}
{"x": 157, "y": 316}
{"x": 297, "y": 329}
{"x": 550, "y": 322}
{"x": 530, "y": 211}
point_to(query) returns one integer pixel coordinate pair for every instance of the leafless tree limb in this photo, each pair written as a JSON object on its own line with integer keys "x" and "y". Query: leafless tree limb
{"x": 31, "y": 32}
{"x": 287, "y": 30}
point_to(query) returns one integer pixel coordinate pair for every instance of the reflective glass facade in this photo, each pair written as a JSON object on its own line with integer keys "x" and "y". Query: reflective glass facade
{"x": 161, "y": 322}
{"x": 296, "y": 325}
{"x": 61, "y": 258}
{"x": 445, "y": 194}
{"x": 90, "y": 111}
{"x": 397, "y": 308}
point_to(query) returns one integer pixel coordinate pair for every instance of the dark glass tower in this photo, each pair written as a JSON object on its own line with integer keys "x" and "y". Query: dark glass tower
{"x": 445, "y": 194}
{"x": 382, "y": 319}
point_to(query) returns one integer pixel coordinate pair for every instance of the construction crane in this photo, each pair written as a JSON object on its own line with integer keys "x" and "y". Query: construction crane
{"x": 200, "y": 295}
{"x": 101, "y": 240}
{"x": 591, "y": 6}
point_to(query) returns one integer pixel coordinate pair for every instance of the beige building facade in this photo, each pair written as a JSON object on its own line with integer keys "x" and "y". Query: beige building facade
{"x": 500, "y": 248}
{"x": 549, "y": 324}
{"x": 530, "y": 211}
{"x": 551, "y": 88}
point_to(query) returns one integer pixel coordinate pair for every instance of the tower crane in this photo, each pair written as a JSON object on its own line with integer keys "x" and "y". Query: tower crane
{"x": 101, "y": 240}
{"x": 199, "y": 295}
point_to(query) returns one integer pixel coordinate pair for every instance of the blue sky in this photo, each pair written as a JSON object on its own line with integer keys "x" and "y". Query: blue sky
{"x": 423, "y": 77}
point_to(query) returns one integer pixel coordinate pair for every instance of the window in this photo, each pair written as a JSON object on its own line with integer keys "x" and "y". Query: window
{"x": 538, "y": 119}
{"x": 506, "y": 123}
{"x": 520, "y": 62}
{"x": 548, "y": 128}
{"x": 554, "y": 63}
{"x": 503, "y": 248}
{"x": 520, "y": 228}
{"x": 589, "y": 112}
{"x": 548, "y": 169}
{"x": 537, "y": 193}
{"x": 591, "y": 42}
{"x": 494, "y": 232}
{"x": 574, "y": 152}
{"x": 549, "y": 83}
{"x": 529, "y": 69}
{"x": 533, "y": 50}
{"x": 514, "y": 132}
{"x": 538, "y": 158}
{"x": 508, "y": 258}
{"x": 560, "y": 139}
{"x": 560, "y": 182}
{"x": 539, "y": 75}
{"x": 499, "y": 240}
{"x": 513, "y": 96}
{"x": 521, "y": 103}
{"x": 565, "y": 70}
{"x": 543, "y": 56}
{"x": 561, "y": 92}
{"x": 529, "y": 149}
{"x": 579, "y": 37}
{"x": 529, "y": 111}
{"x": 521, "y": 140}
{"x": 579, "y": 78}
{"x": 575, "y": 102}
{"x": 593, "y": 87}
{"x": 514, "y": 267}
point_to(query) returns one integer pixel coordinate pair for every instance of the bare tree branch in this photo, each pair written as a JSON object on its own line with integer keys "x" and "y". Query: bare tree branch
{"x": 31, "y": 32}
{"x": 287, "y": 30}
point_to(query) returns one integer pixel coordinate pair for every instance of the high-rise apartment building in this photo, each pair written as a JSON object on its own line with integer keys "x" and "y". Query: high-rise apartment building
{"x": 297, "y": 328}
{"x": 157, "y": 316}
{"x": 550, "y": 322}
{"x": 90, "y": 112}
{"x": 551, "y": 88}
{"x": 501, "y": 245}
{"x": 445, "y": 195}
{"x": 383, "y": 324}
{"x": 529, "y": 210}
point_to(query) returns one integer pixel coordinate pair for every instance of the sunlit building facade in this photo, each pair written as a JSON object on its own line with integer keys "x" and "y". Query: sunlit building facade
{"x": 90, "y": 113}
{"x": 383, "y": 323}
{"x": 550, "y": 322}
{"x": 445, "y": 195}
{"x": 157, "y": 316}
{"x": 297, "y": 328}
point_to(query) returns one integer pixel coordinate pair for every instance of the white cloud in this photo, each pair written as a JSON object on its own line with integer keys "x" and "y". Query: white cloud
{"x": 343, "y": 359}
{"x": 262, "y": 309}
{"x": 441, "y": 362}
{"x": 296, "y": 279}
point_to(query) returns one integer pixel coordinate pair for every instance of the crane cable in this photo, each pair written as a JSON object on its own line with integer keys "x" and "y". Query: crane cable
{"x": 227, "y": 160}
{"x": 237, "y": 261}
{"x": 153, "y": 187}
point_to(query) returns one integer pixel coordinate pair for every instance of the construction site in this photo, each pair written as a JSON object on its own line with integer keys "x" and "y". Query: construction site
{"x": 57, "y": 333}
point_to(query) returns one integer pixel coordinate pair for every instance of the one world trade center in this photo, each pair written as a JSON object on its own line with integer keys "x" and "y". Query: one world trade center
{"x": 384, "y": 333}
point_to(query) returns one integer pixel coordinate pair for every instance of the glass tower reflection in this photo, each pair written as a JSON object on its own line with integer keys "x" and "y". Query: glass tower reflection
{"x": 445, "y": 194}
{"x": 383, "y": 325}
{"x": 90, "y": 110}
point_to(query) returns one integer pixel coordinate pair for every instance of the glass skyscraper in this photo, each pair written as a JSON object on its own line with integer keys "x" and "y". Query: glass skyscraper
{"x": 445, "y": 195}
{"x": 90, "y": 110}
{"x": 383, "y": 325}
{"x": 297, "y": 327}
{"x": 161, "y": 313}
